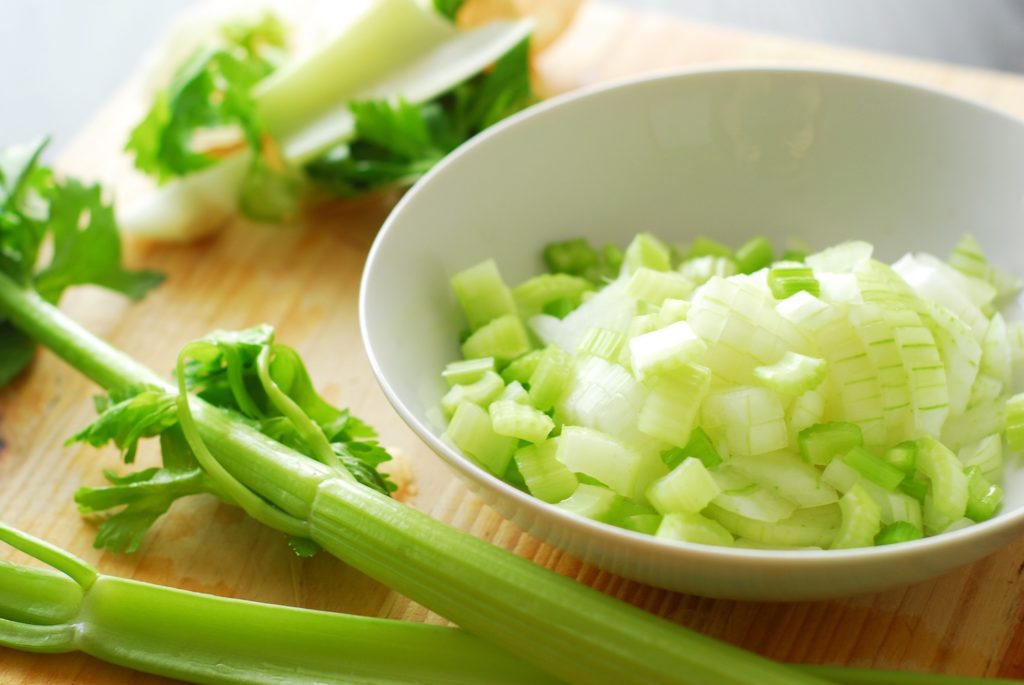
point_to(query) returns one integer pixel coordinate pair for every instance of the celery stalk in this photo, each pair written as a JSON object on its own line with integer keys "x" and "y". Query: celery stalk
{"x": 207, "y": 639}
{"x": 587, "y": 636}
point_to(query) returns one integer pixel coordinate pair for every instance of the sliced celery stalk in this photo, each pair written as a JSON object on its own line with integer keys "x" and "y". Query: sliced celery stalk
{"x": 983, "y": 497}
{"x": 821, "y": 443}
{"x": 861, "y": 520}
{"x": 590, "y": 501}
{"x": 945, "y": 473}
{"x": 1015, "y": 422}
{"x": 692, "y": 527}
{"x": 516, "y": 420}
{"x": 550, "y": 378}
{"x": 688, "y": 488}
{"x": 546, "y": 478}
{"x": 647, "y": 251}
{"x": 503, "y": 338}
{"x": 482, "y": 392}
{"x": 467, "y": 371}
{"x": 793, "y": 374}
{"x": 470, "y": 429}
{"x": 482, "y": 294}
{"x": 873, "y": 468}
{"x": 900, "y": 531}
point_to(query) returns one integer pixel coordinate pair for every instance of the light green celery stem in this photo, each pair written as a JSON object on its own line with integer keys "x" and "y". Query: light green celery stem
{"x": 277, "y": 472}
{"x": 863, "y": 676}
{"x": 565, "y": 627}
{"x": 208, "y": 639}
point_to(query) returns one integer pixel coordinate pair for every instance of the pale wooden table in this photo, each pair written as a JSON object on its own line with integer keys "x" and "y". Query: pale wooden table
{"x": 304, "y": 280}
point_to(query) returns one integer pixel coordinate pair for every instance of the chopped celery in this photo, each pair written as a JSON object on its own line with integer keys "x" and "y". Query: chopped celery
{"x": 520, "y": 421}
{"x": 983, "y": 497}
{"x": 600, "y": 456}
{"x": 692, "y": 527}
{"x": 699, "y": 446}
{"x": 794, "y": 374}
{"x": 821, "y": 443}
{"x": 786, "y": 279}
{"x": 903, "y": 457}
{"x": 503, "y": 338}
{"x": 706, "y": 247}
{"x": 470, "y": 429}
{"x": 482, "y": 294}
{"x": 1015, "y": 422}
{"x": 753, "y": 255}
{"x": 521, "y": 368}
{"x": 590, "y": 501}
{"x": 534, "y": 295}
{"x": 549, "y": 379}
{"x": 642, "y": 523}
{"x": 899, "y": 531}
{"x": 754, "y": 502}
{"x": 840, "y": 475}
{"x": 515, "y": 392}
{"x": 546, "y": 478}
{"x": 484, "y": 391}
{"x": 814, "y": 527}
{"x": 646, "y": 251}
{"x": 467, "y": 371}
{"x": 918, "y": 489}
{"x": 861, "y": 520}
{"x": 873, "y": 468}
{"x": 945, "y": 474}
{"x": 688, "y": 488}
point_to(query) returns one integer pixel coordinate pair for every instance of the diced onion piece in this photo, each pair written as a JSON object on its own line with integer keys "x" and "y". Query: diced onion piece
{"x": 673, "y": 310}
{"x": 700, "y": 270}
{"x": 842, "y": 258}
{"x": 805, "y": 411}
{"x": 672, "y": 406}
{"x": 813, "y": 527}
{"x": 655, "y": 287}
{"x": 793, "y": 374}
{"x": 664, "y": 350}
{"x": 996, "y": 355}
{"x": 751, "y": 420}
{"x": 986, "y": 454}
{"x": 788, "y": 475}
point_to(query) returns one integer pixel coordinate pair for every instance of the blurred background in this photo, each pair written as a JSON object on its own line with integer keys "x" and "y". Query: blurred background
{"x": 62, "y": 59}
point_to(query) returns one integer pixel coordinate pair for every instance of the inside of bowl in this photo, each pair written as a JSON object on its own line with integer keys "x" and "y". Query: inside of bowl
{"x": 729, "y": 154}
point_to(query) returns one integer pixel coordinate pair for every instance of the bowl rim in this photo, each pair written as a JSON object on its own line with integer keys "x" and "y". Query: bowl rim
{"x": 573, "y": 524}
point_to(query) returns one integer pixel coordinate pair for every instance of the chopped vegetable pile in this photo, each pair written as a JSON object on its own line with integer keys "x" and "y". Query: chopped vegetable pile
{"x": 713, "y": 396}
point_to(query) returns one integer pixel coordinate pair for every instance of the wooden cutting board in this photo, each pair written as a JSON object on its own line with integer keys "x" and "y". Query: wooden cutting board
{"x": 304, "y": 280}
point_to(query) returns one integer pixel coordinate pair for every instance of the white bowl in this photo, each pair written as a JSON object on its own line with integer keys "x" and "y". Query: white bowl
{"x": 729, "y": 153}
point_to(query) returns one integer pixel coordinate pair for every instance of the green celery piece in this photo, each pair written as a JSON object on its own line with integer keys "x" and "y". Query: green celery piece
{"x": 699, "y": 446}
{"x": 903, "y": 456}
{"x": 820, "y": 443}
{"x": 539, "y": 293}
{"x": 482, "y": 293}
{"x": 448, "y": 8}
{"x": 1015, "y": 422}
{"x": 576, "y": 257}
{"x": 754, "y": 255}
{"x": 918, "y": 489}
{"x": 984, "y": 498}
{"x": 154, "y": 629}
{"x": 486, "y": 590}
{"x": 899, "y": 531}
{"x": 786, "y": 280}
{"x": 706, "y": 247}
{"x": 503, "y": 338}
{"x": 873, "y": 468}
{"x": 521, "y": 368}
{"x": 647, "y": 251}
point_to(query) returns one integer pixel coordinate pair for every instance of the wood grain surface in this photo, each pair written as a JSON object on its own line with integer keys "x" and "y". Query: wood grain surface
{"x": 304, "y": 280}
